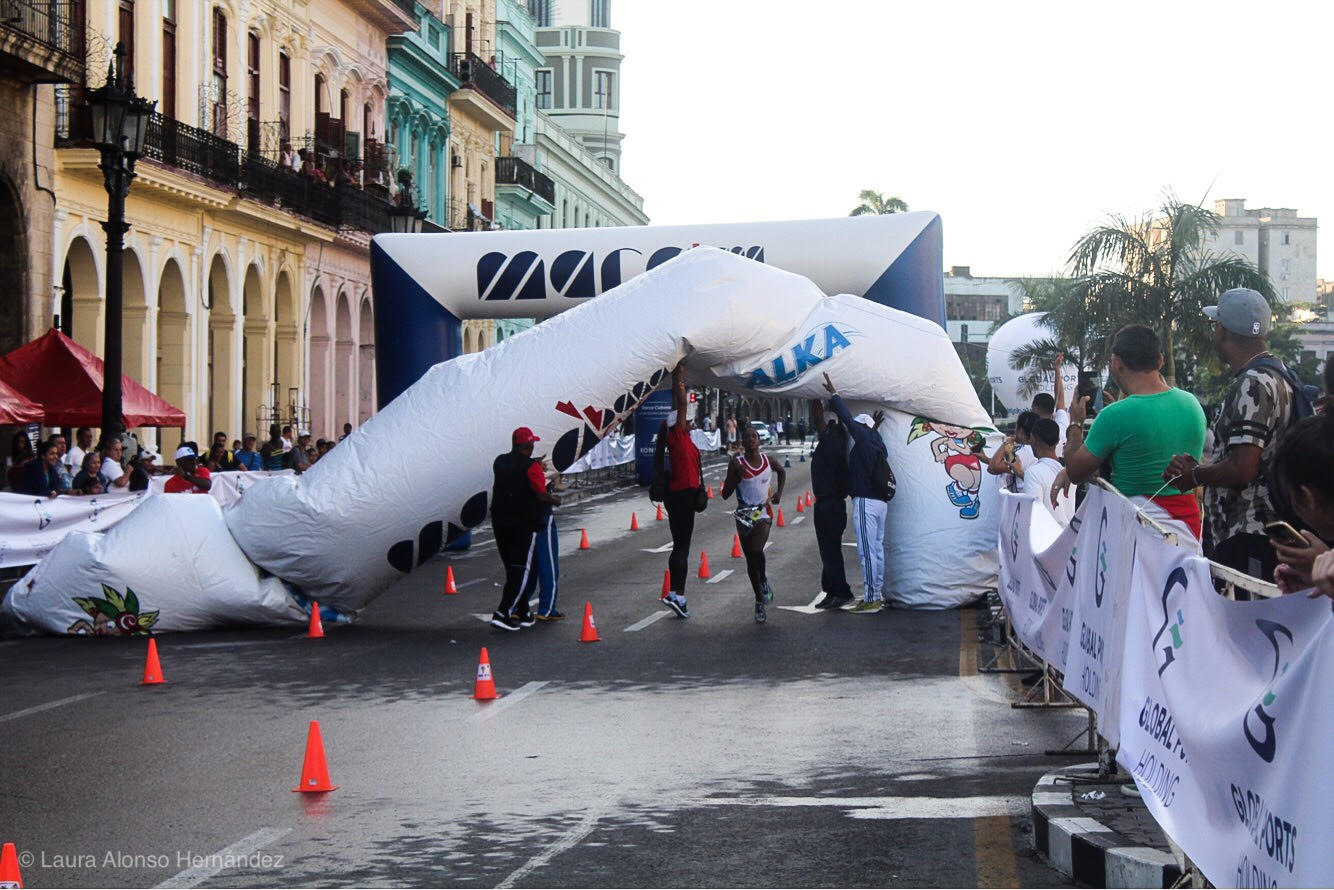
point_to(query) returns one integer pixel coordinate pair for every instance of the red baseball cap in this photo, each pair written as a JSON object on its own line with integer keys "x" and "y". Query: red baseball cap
{"x": 523, "y": 434}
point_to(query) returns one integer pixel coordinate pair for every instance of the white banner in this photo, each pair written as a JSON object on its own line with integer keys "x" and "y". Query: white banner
{"x": 1099, "y": 599}
{"x": 1032, "y": 593}
{"x": 30, "y": 527}
{"x": 1227, "y": 712}
{"x": 610, "y": 452}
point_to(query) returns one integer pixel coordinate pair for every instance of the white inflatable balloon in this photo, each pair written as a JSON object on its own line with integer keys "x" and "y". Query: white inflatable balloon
{"x": 374, "y": 508}
{"x": 1014, "y": 387}
{"x": 382, "y": 502}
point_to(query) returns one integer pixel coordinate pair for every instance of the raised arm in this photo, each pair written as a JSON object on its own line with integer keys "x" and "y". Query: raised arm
{"x": 1059, "y": 392}
{"x": 679, "y": 394}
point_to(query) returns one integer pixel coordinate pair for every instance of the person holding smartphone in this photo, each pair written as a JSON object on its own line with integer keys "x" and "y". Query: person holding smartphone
{"x": 1257, "y": 408}
{"x": 1304, "y": 471}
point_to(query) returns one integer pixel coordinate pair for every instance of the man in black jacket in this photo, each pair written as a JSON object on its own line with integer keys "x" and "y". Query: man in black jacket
{"x": 829, "y": 483}
{"x": 871, "y": 485}
{"x": 516, "y": 516}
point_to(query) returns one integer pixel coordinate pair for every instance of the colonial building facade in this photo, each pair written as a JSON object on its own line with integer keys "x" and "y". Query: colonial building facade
{"x": 246, "y": 282}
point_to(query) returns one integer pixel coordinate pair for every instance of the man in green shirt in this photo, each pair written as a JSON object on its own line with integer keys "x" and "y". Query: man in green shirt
{"x": 1140, "y": 434}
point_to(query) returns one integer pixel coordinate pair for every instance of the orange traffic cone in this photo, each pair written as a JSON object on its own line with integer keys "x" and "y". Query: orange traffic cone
{"x": 666, "y": 582}
{"x": 709, "y": 491}
{"x": 152, "y": 670}
{"x": 736, "y": 546}
{"x": 450, "y": 586}
{"x": 809, "y": 500}
{"x": 801, "y": 505}
{"x": 9, "y": 868}
{"x": 485, "y": 687}
{"x": 659, "y": 517}
{"x": 704, "y": 565}
{"x": 314, "y": 771}
{"x": 316, "y": 630}
{"x": 780, "y": 522}
{"x": 634, "y": 523}
{"x": 590, "y": 632}
{"x": 583, "y": 539}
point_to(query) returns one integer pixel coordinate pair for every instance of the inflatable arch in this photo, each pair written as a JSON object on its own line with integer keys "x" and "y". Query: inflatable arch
{"x": 425, "y": 285}
{"x": 382, "y": 502}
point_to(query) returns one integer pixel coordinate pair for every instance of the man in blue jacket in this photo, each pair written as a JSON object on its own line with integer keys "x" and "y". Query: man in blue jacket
{"x": 871, "y": 484}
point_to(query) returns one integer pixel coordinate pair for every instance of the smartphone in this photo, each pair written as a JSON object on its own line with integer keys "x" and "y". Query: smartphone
{"x": 1282, "y": 533}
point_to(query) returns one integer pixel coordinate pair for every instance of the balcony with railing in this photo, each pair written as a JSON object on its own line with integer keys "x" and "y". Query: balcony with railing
{"x": 43, "y": 41}
{"x": 517, "y": 171}
{"x": 250, "y": 174}
{"x": 473, "y": 72}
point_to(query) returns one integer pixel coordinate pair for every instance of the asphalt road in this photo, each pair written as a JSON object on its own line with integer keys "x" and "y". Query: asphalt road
{"x": 815, "y": 750}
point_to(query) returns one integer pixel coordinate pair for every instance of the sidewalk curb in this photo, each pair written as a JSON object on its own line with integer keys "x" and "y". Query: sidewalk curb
{"x": 1085, "y": 849}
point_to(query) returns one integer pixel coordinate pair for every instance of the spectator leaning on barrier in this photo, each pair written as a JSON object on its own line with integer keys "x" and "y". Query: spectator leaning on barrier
{"x": 38, "y": 476}
{"x": 1043, "y": 468}
{"x": 1303, "y": 470}
{"x": 1016, "y": 452}
{"x": 188, "y": 476}
{"x": 1139, "y": 435}
{"x": 62, "y": 470}
{"x": 142, "y": 469}
{"x": 248, "y": 457}
{"x": 111, "y": 474}
{"x": 1258, "y": 407}
{"x": 271, "y": 452}
{"x": 86, "y": 481}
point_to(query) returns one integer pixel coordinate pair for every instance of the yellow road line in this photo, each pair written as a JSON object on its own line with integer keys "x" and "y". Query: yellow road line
{"x": 993, "y": 844}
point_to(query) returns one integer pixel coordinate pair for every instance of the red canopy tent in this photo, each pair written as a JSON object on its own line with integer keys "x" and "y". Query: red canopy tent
{"x": 67, "y": 380}
{"x": 16, "y": 408}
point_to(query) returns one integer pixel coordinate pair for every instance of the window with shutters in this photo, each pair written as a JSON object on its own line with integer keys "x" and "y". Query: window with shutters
{"x": 219, "y": 93}
{"x": 252, "y": 91}
{"x": 285, "y": 95}
{"x": 126, "y": 32}
{"x": 169, "y": 58}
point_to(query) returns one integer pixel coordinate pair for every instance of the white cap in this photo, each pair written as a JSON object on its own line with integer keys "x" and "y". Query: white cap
{"x": 185, "y": 451}
{"x": 148, "y": 453}
{"x": 865, "y": 419}
{"x": 302, "y": 432}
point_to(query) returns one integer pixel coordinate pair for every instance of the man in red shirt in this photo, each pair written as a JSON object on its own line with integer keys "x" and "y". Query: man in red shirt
{"x": 517, "y": 497}
{"x": 188, "y": 476}
{"x": 683, "y": 489}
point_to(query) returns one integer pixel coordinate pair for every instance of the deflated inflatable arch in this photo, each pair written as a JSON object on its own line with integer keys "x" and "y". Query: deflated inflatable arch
{"x": 424, "y": 285}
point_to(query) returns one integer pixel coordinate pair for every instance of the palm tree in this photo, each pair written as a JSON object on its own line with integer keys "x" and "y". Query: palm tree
{"x": 1156, "y": 271}
{"x": 876, "y": 203}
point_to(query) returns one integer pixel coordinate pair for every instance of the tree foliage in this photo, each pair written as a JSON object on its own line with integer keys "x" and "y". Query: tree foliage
{"x": 875, "y": 203}
{"x": 1154, "y": 270}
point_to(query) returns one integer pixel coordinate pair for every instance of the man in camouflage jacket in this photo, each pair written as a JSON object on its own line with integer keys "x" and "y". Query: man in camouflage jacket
{"x": 1255, "y": 411}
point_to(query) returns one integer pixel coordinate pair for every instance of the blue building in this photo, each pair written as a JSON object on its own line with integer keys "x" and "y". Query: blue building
{"x": 420, "y": 83}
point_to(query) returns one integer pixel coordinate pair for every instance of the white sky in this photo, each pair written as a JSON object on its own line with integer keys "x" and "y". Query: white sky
{"x": 1021, "y": 124}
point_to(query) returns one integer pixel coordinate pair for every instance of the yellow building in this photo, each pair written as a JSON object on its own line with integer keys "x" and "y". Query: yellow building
{"x": 481, "y": 120}
{"x": 246, "y": 283}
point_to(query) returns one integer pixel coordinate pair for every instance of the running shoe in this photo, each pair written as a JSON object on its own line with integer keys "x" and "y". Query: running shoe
{"x": 525, "y": 620}
{"x": 760, "y": 617}
{"x": 768, "y": 592}
{"x": 504, "y": 622}
{"x": 553, "y": 615}
{"x": 867, "y": 607}
{"x": 833, "y": 602}
{"x": 677, "y": 604}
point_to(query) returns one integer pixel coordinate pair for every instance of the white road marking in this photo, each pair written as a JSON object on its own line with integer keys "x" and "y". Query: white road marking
{"x": 849, "y": 543}
{"x": 719, "y": 576}
{"x": 796, "y": 520}
{"x": 470, "y": 583}
{"x": 36, "y": 709}
{"x": 484, "y": 617}
{"x": 640, "y": 625}
{"x": 768, "y": 545}
{"x": 663, "y": 549}
{"x": 808, "y": 609}
{"x": 493, "y": 708}
{"x": 221, "y": 860}
{"x": 568, "y": 840}
{"x": 891, "y": 807}
{"x": 231, "y": 644}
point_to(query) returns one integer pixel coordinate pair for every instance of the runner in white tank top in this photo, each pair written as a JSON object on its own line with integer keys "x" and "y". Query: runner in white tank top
{"x": 750, "y": 475}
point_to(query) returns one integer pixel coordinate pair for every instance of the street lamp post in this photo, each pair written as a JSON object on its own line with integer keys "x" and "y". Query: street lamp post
{"x": 405, "y": 218}
{"x": 120, "y": 124}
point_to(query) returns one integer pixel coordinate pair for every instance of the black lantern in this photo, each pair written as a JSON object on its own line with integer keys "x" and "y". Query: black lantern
{"x": 405, "y": 217}
{"x": 120, "y": 128}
